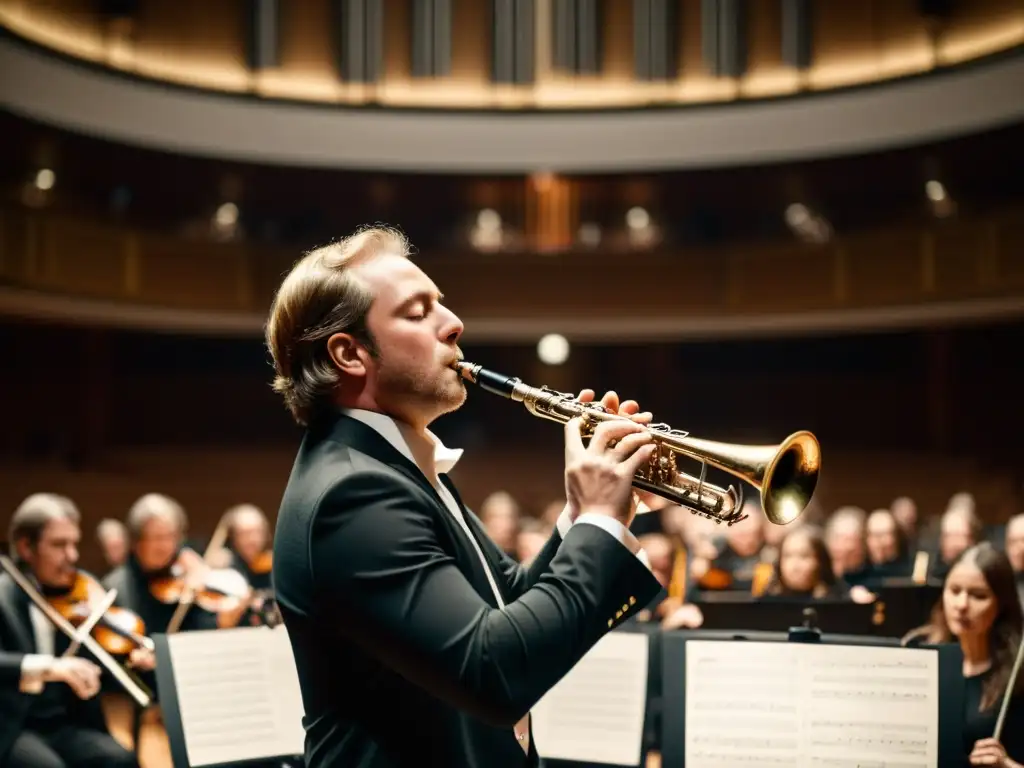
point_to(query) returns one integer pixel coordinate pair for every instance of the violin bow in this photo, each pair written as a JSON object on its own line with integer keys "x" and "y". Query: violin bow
{"x": 89, "y": 623}
{"x": 220, "y": 535}
{"x": 142, "y": 695}
{"x": 1008, "y": 693}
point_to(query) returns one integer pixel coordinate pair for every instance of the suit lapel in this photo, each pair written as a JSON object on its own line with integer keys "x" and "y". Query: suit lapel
{"x": 365, "y": 439}
{"x": 481, "y": 539}
{"x": 14, "y": 606}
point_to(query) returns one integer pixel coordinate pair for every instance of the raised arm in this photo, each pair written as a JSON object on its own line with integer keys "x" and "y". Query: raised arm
{"x": 404, "y": 600}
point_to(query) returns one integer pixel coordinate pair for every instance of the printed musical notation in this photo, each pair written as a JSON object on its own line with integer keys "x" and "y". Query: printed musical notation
{"x": 839, "y": 707}
{"x": 239, "y": 695}
{"x": 596, "y": 712}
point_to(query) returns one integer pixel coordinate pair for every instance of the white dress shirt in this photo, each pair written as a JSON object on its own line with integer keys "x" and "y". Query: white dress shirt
{"x": 35, "y": 665}
{"x": 434, "y": 458}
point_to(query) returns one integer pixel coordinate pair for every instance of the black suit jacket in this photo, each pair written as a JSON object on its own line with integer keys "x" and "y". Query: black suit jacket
{"x": 404, "y": 658}
{"x": 16, "y": 640}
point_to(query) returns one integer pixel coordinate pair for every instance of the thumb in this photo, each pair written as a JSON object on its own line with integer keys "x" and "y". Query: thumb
{"x": 574, "y": 439}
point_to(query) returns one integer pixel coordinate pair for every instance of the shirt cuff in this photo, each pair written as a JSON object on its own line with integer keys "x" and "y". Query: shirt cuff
{"x": 621, "y": 533}
{"x": 34, "y": 667}
{"x": 564, "y": 522}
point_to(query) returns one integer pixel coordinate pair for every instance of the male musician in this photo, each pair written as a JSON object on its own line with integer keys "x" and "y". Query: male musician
{"x": 112, "y": 537}
{"x": 49, "y": 714}
{"x": 417, "y": 640}
{"x": 248, "y": 543}
{"x": 156, "y": 526}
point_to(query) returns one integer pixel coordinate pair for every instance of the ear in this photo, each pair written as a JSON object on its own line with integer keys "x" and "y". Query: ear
{"x": 25, "y": 551}
{"x": 347, "y": 353}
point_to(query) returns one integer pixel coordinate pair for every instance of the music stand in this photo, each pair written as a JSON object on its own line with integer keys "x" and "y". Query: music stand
{"x": 171, "y": 710}
{"x": 779, "y": 614}
{"x": 950, "y": 693}
{"x": 652, "y": 708}
{"x": 908, "y": 605}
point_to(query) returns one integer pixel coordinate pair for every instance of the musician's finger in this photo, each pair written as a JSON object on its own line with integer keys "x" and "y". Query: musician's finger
{"x": 643, "y": 418}
{"x": 573, "y": 439}
{"x": 611, "y": 401}
{"x": 585, "y": 395}
{"x": 628, "y": 407}
{"x": 609, "y": 432}
{"x": 630, "y": 443}
{"x": 638, "y": 459}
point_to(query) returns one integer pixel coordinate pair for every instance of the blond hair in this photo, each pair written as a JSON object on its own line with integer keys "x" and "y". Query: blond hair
{"x": 319, "y": 298}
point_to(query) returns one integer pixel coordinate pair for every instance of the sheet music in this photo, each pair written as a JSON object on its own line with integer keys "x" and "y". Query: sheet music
{"x": 810, "y": 706}
{"x": 238, "y": 693}
{"x": 595, "y": 713}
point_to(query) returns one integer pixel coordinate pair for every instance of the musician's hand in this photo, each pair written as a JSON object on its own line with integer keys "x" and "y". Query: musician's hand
{"x": 142, "y": 659}
{"x": 81, "y": 675}
{"x": 990, "y": 752}
{"x": 686, "y": 616}
{"x": 611, "y": 403}
{"x": 599, "y": 477}
{"x": 861, "y": 594}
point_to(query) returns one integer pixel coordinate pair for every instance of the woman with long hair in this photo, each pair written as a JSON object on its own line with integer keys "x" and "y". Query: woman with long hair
{"x": 803, "y": 567}
{"x": 980, "y": 610}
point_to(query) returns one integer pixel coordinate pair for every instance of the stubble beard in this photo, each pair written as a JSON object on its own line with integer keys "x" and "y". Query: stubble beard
{"x": 427, "y": 396}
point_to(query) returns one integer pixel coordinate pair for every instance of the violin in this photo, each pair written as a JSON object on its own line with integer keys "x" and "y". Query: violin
{"x": 218, "y": 589}
{"x": 263, "y": 563}
{"x": 118, "y": 631}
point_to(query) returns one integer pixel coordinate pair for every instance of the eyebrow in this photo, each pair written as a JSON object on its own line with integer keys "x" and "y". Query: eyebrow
{"x": 435, "y": 296}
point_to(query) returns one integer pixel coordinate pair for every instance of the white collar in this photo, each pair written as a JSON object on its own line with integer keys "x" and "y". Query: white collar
{"x": 402, "y": 436}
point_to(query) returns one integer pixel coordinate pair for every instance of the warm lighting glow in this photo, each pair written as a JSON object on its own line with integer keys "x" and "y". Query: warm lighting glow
{"x": 589, "y": 234}
{"x": 45, "y": 179}
{"x": 227, "y": 215}
{"x": 553, "y": 349}
{"x": 638, "y": 218}
{"x": 935, "y": 190}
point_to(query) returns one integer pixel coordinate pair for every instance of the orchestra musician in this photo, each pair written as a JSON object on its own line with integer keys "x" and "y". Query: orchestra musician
{"x": 416, "y": 639}
{"x": 50, "y": 715}
{"x": 112, "y": 536}
{"x": 804, "y": 568}
{"x": 250, "y": 553}
{"x": 980, "y": 610}
{"x": 161, "y": 572}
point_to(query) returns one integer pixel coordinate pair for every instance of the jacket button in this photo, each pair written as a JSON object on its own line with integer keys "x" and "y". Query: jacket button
{"x": 632, "y": 600}
{"x": 610, "y": 622}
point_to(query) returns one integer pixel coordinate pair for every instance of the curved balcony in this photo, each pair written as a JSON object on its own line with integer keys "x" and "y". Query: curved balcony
{"x": 879, "y": 75}
{"x": 74, "y": 270}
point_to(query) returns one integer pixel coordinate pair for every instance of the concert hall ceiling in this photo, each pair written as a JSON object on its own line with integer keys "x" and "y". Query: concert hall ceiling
{"x": 475, "y": 86}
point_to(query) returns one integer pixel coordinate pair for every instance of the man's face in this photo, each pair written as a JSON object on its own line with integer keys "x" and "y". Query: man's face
{"x": 54, "y": 557}
{"x": 846, "y": 547}
{"x": 1015, "y": 543}
{"x": 881, "y": 538}
{"x": 954, "y": 537}
{"x": 115, "y": 548}
{"x": 417, "y": 341}
{"x": 249, "y": 534}
{"x": 157, "y": 545}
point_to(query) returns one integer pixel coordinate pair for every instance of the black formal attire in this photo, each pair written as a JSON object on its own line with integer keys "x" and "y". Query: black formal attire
{"x": 416, "y": 640}
{"x": 51, "y": 728}
{"x": 980, "y": 724}
{"x": 261, "y": 584}
{"x": 132, "y": 585}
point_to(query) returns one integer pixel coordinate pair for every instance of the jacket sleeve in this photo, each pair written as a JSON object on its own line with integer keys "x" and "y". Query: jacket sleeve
{"x": 378, "y": 566}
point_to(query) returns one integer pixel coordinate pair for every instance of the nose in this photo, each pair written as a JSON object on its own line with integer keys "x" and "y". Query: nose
{"x": 451, "y": 329}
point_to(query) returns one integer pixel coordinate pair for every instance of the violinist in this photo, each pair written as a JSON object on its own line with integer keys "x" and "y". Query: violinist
{"x": 248, "y": 542}
{"x": 160, "y": 572}
{"x": 50, "y": 716}
{"x": 112, "y": 537}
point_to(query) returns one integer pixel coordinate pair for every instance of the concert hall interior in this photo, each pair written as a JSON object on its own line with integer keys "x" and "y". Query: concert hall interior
{"x": 752, "y": 217}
